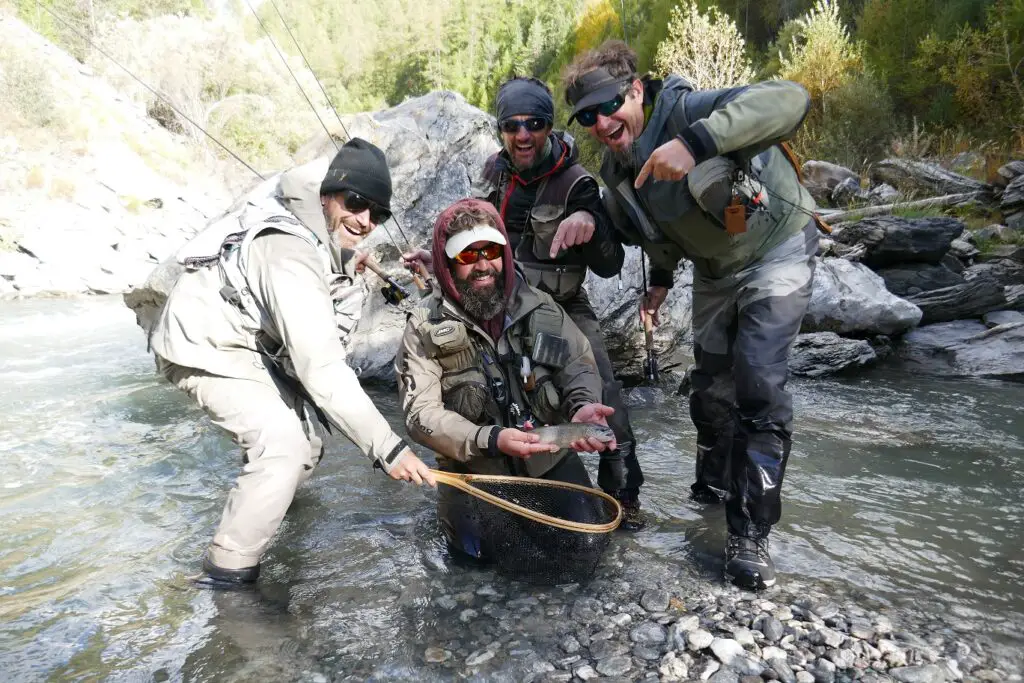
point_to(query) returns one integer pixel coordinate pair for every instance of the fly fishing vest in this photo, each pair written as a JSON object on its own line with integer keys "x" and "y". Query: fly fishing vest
{"x": 558, "y": 277}
{"x": 347, "y": 294}
{"x": 497, "y": 384}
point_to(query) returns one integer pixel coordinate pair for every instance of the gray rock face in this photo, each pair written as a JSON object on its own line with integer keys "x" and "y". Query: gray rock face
{"x": 997, "y": 318}
{"x": 1004, "y": 271}
{"x": 919, "y": 175}
{"x": 970, "y": 299}
{"x": 846, "y": 191}
{"x": 1012, "y": 203}
{"x": 822, "y": 176}
{"x": 891, "y": 240}
{"x": 965, "y": 348}
{"x": 919, "y": 674}
{"x": 914, "y": 278}
{"x": 848, "y": 298}
{"x": 825, "y": 353}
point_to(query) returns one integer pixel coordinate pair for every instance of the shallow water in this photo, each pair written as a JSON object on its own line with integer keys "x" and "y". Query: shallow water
{"x": 902, "y": 492}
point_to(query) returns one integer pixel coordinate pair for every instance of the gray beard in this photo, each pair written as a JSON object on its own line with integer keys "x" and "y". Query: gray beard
{"x": 482, "y": 305}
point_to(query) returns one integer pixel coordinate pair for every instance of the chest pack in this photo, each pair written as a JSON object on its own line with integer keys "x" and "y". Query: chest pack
{"x": 559, "y": 277}
{"x": 501, "y": 384}
{"x": 234, "y": 233}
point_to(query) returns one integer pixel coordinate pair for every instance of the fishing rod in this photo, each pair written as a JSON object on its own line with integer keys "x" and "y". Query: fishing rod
{"x": 330, "y": 103}
{"x": 392, "y": 293}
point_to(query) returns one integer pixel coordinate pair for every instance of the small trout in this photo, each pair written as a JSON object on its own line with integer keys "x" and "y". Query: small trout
{"x": 564, "y": 434}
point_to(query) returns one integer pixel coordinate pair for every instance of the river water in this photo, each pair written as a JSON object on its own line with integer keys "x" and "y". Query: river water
{"x": 904, "y": 494}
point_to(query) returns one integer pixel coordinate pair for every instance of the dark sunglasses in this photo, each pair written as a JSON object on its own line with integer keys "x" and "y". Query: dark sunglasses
{"x": 468, "y": 257}
{"x": 588, "y": 117}
{"x": 512, "y": 126}
{"x": 357, "y": 203}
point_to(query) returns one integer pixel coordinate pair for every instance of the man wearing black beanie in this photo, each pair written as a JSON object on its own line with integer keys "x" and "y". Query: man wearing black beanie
{"x": 558, "y": 229}
{"x": 255, "y": 333}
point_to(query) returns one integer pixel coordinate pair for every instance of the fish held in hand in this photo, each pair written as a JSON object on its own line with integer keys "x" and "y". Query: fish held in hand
{"x": 564, "y": 435}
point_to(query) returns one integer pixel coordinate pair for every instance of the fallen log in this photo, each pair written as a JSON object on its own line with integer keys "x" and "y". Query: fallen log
{"x": 834, "y": 218}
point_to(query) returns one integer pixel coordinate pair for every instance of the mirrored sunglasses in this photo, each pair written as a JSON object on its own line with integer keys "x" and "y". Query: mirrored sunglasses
{"x": 588, "y": 117}
{"x": 469, "y": 256}
{"x": 512, "y": 126}
{"x": 357, "y": 203}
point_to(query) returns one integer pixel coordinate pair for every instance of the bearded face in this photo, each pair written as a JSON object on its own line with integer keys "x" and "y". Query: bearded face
{"x": 482, "y": 291}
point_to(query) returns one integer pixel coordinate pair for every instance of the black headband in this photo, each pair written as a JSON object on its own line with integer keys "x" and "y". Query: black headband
{"x": 524, "y": 97}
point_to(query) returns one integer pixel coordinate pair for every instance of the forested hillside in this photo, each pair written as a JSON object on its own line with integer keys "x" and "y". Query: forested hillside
{"x": 910, "y": 77}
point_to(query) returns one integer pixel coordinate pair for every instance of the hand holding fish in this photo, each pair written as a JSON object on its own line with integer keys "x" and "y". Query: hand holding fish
{"x": 594, "y": 414}
{"x": 522, "y": 444}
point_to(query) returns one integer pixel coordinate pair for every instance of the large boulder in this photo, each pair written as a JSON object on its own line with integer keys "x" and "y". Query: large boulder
{"x": 920, "y": 175}
{"x": 822, "y": 177}
{"x": 826, "y": 353}
{"x": 1004, "y": 271}
{"x": 891, "y": 240}
{"x": 913, "y": 278}
{"x": 970, "y": 299}
{"x": 1011, "y": 205}
{"x": 848, "y": 298}
{"x": 965, "y": 348}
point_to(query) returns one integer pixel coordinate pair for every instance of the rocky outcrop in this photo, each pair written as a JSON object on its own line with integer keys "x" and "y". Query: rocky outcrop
{"x": 848, "y": 298}
{"x": 914, "y": 278}
{"x": 970, "y": 299}
{"x": 892, "y": 240}
{"x": 822, "y": 177}
{"x": 965, "y": 348}
{"x": 1011, "y": 204}
{"x": 826, "y": 353}
{"x": 919, "y": 175}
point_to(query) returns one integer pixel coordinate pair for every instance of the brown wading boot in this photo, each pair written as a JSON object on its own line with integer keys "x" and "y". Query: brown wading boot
{"x": 226, "y": 579}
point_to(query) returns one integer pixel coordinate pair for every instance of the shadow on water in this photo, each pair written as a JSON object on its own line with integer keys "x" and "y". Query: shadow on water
{"x": 901, "y": 492}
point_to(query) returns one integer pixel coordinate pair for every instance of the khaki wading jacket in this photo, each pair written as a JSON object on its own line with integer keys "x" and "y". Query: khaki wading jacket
{"x": 297, "y": 293}
{"x": 743, "y": 124}
{"x": 425, "y": 386}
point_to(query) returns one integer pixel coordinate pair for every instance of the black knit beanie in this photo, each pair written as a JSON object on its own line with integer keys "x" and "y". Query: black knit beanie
{"x": 360, "y": 166}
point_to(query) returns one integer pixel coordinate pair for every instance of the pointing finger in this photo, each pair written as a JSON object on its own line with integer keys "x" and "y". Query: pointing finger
{"x": 641, "y": 177}
{"x": 559, "y": 240}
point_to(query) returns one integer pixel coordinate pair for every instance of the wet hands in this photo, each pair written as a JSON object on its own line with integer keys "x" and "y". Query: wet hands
{"x": 577, "y": 228}
{"x": 597, "y": 414}
{"x": 671, "y": 161}
{"x": 522, "y": 444}
{"x": 411, "y": 468}
{"x": 651, "y": 303}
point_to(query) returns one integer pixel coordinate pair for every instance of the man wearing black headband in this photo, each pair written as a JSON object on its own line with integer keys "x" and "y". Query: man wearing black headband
{"x": 700, "y": 175}
{"x": 558, "y": 228}
{"x": 254, "y": 331}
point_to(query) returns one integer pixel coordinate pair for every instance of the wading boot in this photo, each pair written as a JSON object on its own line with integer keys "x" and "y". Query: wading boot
{"x": 705, "y": 495}
{"x": 632, "y": 517}
{"x": 748, "y": 564}
{"x": 219, "y": 578}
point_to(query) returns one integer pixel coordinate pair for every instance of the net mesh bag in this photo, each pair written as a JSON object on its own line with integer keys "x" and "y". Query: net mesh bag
{"x": 534, "y": 530}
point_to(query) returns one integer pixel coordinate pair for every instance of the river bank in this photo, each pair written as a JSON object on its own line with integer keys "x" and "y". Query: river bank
{"x": 901, "y": 503}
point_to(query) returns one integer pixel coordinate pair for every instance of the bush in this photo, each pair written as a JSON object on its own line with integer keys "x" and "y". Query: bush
{"x": 822, "y": 58}
{"x": 25, "y": 89}
{"x": 857, "y": 128}
{"x": 706, "y": 49}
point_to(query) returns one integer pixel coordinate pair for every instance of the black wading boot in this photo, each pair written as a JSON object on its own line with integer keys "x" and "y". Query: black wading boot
{"x": 748, "y": 564}
{"x": 705, "y": 495}
{"x": 633, "y": 519}
{"x": 219, "y": 578}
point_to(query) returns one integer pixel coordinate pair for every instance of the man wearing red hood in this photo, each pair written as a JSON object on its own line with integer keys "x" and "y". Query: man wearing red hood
{"x": 486, "y": 356}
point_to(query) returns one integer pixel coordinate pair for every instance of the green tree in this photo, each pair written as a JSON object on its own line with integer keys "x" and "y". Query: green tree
{"x": 706, "y": 48}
